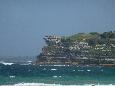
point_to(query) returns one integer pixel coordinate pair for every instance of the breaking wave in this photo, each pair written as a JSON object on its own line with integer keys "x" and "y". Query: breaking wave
{"x": 42, "y": 84}
{"x": 5, "y": 63}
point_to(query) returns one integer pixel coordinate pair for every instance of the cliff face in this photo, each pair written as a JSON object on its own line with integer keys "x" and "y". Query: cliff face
{"x": 81, "y": 48}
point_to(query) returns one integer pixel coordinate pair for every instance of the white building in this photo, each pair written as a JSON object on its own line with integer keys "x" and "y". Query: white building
{"x": 52, "y": 39}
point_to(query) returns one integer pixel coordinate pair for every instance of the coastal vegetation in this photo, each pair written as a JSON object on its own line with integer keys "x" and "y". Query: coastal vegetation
{"x": 82, "y": 48}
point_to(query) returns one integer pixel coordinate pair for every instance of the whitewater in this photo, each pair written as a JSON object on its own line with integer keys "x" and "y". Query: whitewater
{"x": 42, "y": 84}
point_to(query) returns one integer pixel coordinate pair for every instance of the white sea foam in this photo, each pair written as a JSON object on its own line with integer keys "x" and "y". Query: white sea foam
{"x": 80, "y": 70}
{"x": 73, "y": 70}
{"x": 88, "y": 70}
{"x": 12, "y": 76}
{"x": 53, "y": 69}
{"x": 5, "y": 63}
{"x": 60, "y": 76}
{"x": 55, "y": 76}
{"x": 29, "y": 61}
{"x": 42, "y": 84}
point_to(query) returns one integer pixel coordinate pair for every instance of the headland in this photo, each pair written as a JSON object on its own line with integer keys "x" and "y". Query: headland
{"x": 79, "y": 49}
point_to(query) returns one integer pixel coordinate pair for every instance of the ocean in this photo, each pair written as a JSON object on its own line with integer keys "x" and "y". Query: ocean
{"x": 56, "y": 75}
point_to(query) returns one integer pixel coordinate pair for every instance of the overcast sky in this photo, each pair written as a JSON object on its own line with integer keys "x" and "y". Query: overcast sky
{"x": 23, "y": 23}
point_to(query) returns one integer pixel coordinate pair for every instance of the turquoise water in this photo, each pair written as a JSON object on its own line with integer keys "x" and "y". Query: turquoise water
{"x": 64, "y": 75}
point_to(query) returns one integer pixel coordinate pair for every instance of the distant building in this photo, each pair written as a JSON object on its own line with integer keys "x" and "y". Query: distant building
{"x": 52, "y": 39}
{"x": 79, "y": 45}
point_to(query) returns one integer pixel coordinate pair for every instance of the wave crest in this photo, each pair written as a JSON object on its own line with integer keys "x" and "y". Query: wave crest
{"x": 43, "y": 84}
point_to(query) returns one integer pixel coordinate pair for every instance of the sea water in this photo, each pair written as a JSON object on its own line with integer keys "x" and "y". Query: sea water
{"x": 56, "y": 75}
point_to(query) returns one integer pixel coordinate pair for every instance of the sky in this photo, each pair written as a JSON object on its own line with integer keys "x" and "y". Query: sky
{"x": 24, "y": 23}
